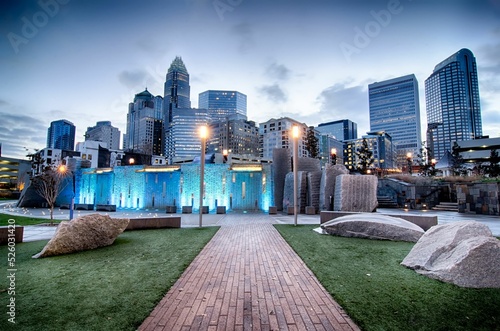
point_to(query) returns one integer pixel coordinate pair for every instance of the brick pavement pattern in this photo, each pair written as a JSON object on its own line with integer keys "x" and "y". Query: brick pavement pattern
{"x": 247, "y": 278}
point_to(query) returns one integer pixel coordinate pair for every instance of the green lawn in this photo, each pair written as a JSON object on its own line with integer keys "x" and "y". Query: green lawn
{"x": 111, "y": 288}
{"x": 365, "y": 277}
{"x": 23, "y": 220}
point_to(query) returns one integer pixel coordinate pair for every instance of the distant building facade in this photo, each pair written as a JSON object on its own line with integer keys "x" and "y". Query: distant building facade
{"x": 183, "y": 142}
{"x": 277, "y": 133}
{"x": 379, "y": 143}
{"x": 236, "y": 135}
{"x": 328, "y": 144}
{"x": 340, "y": 130}
{"x": 395, "y": 108}
{"x": 452, "y": 103}
{"x": 14, "y": 175}
{"x": 222, "y": 104}
{"x": 61, "y": 135}
{"x": 144, "y": 125}
{"x": 104, "y": 132}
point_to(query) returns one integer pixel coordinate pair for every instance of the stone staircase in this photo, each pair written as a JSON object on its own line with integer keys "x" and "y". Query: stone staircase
{"x": 446, "y": 206}
{"x": 386, "y": 202}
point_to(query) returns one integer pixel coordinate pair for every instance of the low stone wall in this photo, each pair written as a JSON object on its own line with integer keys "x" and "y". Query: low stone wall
{"x": 154, "y": 223}
{"x": 424, "y": 221}
{"x": 478, "y": 198}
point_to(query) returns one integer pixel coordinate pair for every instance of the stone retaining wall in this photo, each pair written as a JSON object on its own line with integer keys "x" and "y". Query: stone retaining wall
{"x": 478, "y": 198}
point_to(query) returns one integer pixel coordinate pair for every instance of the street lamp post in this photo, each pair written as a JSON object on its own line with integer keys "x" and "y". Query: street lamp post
{"x": 63, "y": 169}
{"x": 333, "y": 153}
{"x": 295, "y": 135}
{"x": 203, "y": 136}
{"x": 409, "y": 160}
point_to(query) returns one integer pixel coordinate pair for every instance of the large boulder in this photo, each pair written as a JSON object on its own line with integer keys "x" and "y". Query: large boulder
{"x": 83, "y": 233}
{"x": 355, "y": 193}
{"x": 373, "y": 226}
{"x": 463, "y": 253}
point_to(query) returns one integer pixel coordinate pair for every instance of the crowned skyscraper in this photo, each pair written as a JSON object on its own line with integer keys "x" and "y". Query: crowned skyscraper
{"x": 177, "y": 90}
{"x": 452, "y": 101}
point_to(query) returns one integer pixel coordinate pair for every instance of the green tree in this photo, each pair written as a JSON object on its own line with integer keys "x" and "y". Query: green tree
{"x": 493, "y": 169}
{"x": 364, "y": 157}
{"x": 312, "y": 143}
{"x": 457, "y": 161}
{"x": 49, "y": 184}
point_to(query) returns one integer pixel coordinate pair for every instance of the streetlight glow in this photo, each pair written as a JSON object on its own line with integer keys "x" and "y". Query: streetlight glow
{"x": 295, "y": 131}
{"x": 203, "y": 132}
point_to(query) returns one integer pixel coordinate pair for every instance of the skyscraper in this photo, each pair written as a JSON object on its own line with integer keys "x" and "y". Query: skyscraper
{"x": 452, "y": 102}
{"x": 103, "y": 131}
{"x": 341, "y": 130}
{"x": 177, "y": 89}
{"x": 395, "y": 108}
{"x": 61, "y": 135}
{"x": 144, "y": 124}
{"x": 222, "y": 104}
{"x": 176, "y": 95}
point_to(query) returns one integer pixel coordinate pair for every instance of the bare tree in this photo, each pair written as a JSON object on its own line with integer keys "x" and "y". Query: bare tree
{"x": 49, "y": 184}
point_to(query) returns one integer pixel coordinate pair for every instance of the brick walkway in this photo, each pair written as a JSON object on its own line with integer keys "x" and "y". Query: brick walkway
{"x": 247, "y": 278}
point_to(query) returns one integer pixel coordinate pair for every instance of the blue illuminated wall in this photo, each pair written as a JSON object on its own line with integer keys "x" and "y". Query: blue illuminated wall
{"x": 133, "y": 187}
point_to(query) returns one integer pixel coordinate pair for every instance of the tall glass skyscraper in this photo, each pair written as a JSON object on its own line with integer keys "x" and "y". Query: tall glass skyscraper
{"x": 222, "y": 104}
{"x": 341, "y": 130}
{"x": 177, "y": 89}
{"x": 452, "y": 101}
{"x": 395, "y": 108}
{"x": 61, "y": 135}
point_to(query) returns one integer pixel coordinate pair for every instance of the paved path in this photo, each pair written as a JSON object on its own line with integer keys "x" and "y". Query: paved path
{"x": 247, "y": 278}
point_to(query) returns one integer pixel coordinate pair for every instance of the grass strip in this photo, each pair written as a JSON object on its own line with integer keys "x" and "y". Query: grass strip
{"x": 365, "y": 277}
{"x": 110, "y": 288}
{"x": 24, "y": 220}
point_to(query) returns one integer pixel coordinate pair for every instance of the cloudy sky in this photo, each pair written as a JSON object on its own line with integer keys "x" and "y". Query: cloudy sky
{"x": 311, "y": 60}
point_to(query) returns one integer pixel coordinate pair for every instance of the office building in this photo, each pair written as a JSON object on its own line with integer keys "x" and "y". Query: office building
{"x": 176, "y": 89}
{"x": 452, "y": 102}
{"x": 144, "y": 125}
{"x": 14, "y": 175}
{"x": 395, "y": 108}
{"x": 61, "y": 135}
{"x": 331, "y": 150}
{"x": 379, "y": 143}
{"x": 340, "y": 130}
{"x": 277, "y": 133}
{"x": 236, "y": 135}
{"x": 183, "y": 142}
{"x": 104, "y": 132}
{"x": 222, "y": 104}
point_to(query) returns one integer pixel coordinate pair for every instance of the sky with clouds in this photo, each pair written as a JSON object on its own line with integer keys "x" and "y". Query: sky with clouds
{"x": 83, "y": 60}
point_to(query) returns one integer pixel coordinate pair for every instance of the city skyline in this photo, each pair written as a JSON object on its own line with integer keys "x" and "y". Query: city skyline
{"x": 310, "y": 61}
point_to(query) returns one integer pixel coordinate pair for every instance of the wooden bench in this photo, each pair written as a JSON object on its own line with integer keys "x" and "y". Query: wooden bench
{"x": 84, "y": 206}
{"x": 105, "y": 207}
{"x": 17, "y": 230}
{"x": 187, "y": 209}
{"x": 154, "y": 223}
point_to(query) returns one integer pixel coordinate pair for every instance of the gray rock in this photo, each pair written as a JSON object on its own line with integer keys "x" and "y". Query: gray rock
{"x": 327, "y": 184}
{"x": 301, "y": 194}
{"x": 84, "y": 233}
{"x": 313, "y": 186}
{"x": 281, "y": 166}
{"x": 373, "y": 226}
{"x": 355, "y": 193}
{"x": 462, "y": 253}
